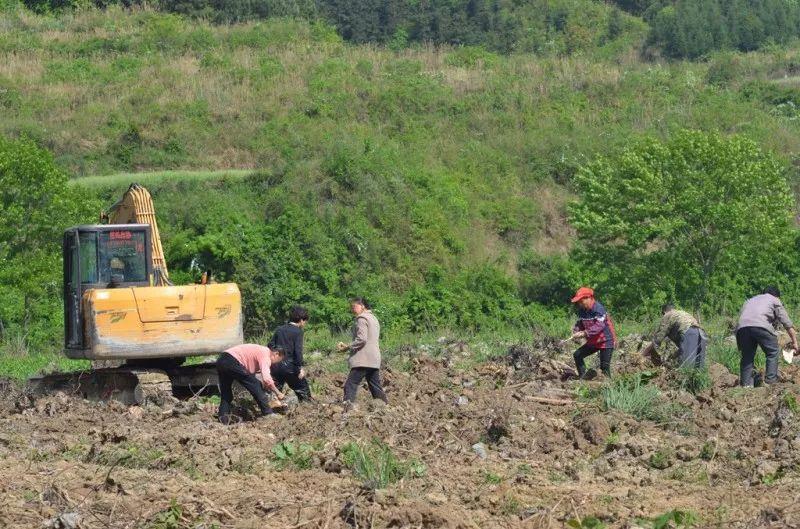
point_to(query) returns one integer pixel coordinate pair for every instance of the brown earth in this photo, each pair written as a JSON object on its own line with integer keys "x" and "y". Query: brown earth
{"x": 729, "y": 455}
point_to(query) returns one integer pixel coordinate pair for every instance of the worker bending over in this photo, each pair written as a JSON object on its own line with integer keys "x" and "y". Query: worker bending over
{"x": 757, "y": 327}
{"x": 595, "y": 326}
{"x": 685, "y": 332}
{"x": 241, "y": 363}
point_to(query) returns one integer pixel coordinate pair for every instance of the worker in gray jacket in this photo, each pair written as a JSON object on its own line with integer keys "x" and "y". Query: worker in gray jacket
{"x": 757, "y": 328}
{"x": 365, "y": 354}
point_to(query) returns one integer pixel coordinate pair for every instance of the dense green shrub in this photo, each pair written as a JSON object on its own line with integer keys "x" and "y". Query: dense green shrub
{"x": 700, "y": 219}
{"x": 36, "y": 204}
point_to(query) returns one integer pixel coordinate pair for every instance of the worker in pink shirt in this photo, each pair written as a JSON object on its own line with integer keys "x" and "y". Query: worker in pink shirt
{"x": 241, "y": 363}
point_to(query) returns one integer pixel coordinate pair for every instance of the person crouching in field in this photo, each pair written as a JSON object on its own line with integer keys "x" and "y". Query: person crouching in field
{"x": 595, "y": 326}
{"x": 685, "y": 332}
{"x": 241, "y": 363}
{"x": 365, "y": 354}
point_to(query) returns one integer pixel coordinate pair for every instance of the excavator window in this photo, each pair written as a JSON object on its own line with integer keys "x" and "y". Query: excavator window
{"x": 88, "y": 255}
{"x": 122, "y": 256}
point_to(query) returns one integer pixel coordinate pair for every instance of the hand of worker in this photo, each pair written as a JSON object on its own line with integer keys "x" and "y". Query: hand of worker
{"x": 302, "y": 374}
{"x": 579, "y": 335}
{"x": 279, "y": 395}
{"x": 341, "y": 346}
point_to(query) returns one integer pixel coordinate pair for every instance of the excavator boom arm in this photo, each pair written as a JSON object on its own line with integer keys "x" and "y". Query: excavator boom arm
{"x": 136, "y": 207}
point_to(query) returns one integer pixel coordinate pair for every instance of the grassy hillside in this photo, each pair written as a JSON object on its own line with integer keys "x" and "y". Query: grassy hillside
{"x": 432, "y": 178}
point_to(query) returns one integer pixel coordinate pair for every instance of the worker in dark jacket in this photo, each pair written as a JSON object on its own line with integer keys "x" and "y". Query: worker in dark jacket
{"x": 289, "y": 338}
{"x": 756, "y": 328}
{"x": 596, "y": 328}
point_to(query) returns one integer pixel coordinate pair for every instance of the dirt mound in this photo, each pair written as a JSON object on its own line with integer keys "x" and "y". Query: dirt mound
{"x": 512, "y": 443}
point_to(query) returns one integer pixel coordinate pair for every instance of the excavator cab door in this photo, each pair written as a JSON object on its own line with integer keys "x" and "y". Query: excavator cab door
{"x": 73, "y": 328}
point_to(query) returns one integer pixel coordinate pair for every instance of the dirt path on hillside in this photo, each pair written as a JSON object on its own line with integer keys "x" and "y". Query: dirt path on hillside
{"x": 728, "y": 455}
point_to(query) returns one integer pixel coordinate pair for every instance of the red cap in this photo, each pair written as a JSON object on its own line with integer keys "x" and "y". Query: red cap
{"x": 583, "y": 292}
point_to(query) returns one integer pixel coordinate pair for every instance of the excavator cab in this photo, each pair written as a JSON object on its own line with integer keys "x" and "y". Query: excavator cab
{"x": 100, "y": 257}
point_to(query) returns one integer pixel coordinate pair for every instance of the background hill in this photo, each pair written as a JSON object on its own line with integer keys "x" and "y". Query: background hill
{"x": 433, "y": 178}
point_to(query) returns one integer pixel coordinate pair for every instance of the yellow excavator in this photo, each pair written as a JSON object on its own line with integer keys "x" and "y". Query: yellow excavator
{"x": 121, "y": 308}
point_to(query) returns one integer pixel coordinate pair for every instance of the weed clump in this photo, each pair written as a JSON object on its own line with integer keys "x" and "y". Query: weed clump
{"x": 633, "y": 395}
{"x": 288, "y": 453}
{"x": 692, "y": 380}
{"x": 376, "y": 465}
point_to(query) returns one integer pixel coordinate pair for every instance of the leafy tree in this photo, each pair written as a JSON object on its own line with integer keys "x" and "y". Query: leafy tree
{"x": 700, "y": 219}
{"x": 36, "y": 204}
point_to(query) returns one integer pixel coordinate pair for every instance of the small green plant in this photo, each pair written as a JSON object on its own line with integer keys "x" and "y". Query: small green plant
{"x": 524, "y": 469}
{"x": 660, "y": 460}
{"x": 169, "y": 518}
{"x": 677, "y": 519}
{"x": 790, "y": 400}
{"x": 299, "y": 455}
{"x": 772, "y": 477}
{"x": 376, "y": 465}
{"x": 612, "y": 441}
{"x": 587, "y": 522}
{"x": 709, "y": 450}
{"x": 693, "y": 380}
{"x": 491, "y": 477}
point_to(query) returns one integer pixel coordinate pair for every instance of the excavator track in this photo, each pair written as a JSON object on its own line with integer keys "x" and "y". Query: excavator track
{"x": 130, "y": 385}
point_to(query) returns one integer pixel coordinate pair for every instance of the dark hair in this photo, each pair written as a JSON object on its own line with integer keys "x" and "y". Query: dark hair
{"x": 281, "y": 350}
{"x": 772, "y": 290}
{"x": 297, "y": 314}
{"x": 361, "y": 301}
{"x": 666, "y": 307}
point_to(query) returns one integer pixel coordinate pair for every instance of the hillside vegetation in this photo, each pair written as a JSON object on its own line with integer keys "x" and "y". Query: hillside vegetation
{"x": 431, "y": 178}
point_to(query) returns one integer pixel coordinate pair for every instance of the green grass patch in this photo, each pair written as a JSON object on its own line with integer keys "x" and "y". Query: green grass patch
{"x": 121, "y": 181}
{"x": 376, "y": 466}
{"x": 24, "y": 367}
{"x": 296, "y": 454}
{"x": 633, "y": 395}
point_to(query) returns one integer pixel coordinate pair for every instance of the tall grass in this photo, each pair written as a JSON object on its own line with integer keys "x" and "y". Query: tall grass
{"x": 376, "y": 466}
{"x": 633, "y": 395}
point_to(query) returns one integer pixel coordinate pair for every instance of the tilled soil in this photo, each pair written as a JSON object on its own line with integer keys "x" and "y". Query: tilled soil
{"x": 729, "y": 455}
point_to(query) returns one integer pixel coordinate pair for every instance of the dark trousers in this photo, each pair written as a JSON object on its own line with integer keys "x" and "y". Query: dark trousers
{"x": 286, "y": 373}
{"x": 587, "y": 350}
{"x": 747, "y": 340}
{"x": 692, "y": 350}
{"x": 228, "y": 370}
{"x": 354, "y": 379}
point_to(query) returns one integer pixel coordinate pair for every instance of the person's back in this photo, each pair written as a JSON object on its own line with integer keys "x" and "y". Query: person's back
{"x": 289, "y": 337}
{"x": 763, "y": 311}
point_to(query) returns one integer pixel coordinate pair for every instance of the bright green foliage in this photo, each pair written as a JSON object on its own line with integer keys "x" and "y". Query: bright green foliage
{"x": 376, "y": 465}
{"x": 700, "y": 219}
{"x": 36, "y": 204}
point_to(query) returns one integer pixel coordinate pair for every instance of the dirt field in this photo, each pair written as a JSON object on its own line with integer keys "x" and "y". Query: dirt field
{"x": 552, "y": 456}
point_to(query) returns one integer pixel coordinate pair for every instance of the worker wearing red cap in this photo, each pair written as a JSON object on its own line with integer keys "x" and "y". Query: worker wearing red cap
{"x": 595, "y": 326}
